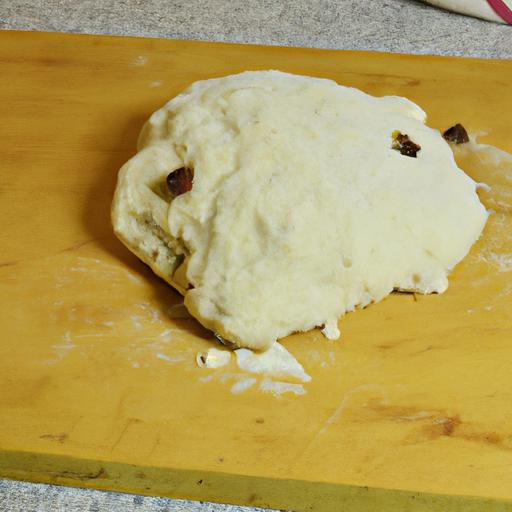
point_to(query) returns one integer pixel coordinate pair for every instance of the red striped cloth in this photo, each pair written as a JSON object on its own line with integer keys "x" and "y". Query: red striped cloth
{"x": 503, "y": 8}
{"x": 494, "y": 10}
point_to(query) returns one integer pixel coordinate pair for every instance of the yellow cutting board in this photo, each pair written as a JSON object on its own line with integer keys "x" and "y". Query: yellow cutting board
{"x": 410, "y": 410}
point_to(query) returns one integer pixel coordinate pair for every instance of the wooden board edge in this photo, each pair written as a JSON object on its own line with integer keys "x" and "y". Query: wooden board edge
{"x": 220, "y": 44}
{"x": 299, "y": 496}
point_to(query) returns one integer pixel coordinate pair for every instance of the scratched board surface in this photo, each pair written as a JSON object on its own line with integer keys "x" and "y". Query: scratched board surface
{"x": 98, "y": 381}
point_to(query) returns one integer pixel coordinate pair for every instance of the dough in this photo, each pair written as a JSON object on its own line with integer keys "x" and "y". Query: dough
{"x": 300, "y": 210}
{"x": 213, "y": 358}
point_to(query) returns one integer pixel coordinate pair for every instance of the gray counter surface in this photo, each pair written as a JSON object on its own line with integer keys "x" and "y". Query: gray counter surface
{"x": 405, "y": 26}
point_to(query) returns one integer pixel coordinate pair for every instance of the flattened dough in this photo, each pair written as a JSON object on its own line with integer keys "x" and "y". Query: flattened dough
{"x": 300, "y": 209}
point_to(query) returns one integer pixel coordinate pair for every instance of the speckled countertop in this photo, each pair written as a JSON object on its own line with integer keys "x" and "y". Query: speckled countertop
{"x": 405, "y": 26}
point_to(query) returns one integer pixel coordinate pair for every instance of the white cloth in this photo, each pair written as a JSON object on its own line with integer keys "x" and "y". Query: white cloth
{"x": 477, "y": 8}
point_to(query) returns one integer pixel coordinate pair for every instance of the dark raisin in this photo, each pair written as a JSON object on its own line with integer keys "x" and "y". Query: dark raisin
{"x": 402, "y": 143}
{"x": 456, "y": 134}
{"x": 180, "y": 181}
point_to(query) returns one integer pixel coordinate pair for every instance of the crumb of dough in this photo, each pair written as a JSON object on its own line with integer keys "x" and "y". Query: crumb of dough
{"x": 213, "y": 358}
{"x": 330, "y": 330}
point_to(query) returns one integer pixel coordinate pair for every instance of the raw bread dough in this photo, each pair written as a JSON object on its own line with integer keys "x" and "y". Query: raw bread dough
{"x": 300, "y": 209}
